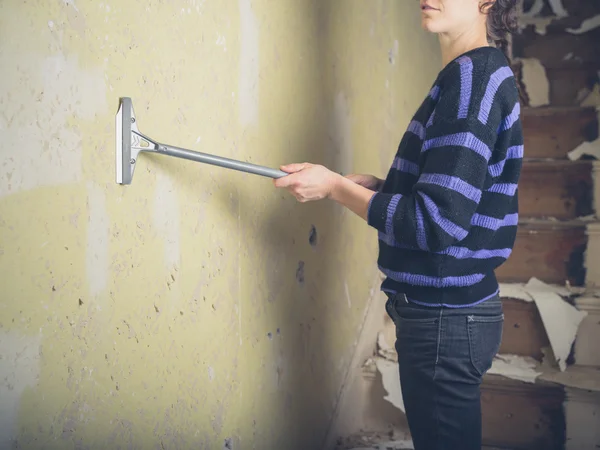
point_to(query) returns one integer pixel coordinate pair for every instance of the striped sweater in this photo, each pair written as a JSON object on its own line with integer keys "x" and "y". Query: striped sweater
{"x": 447, "y": 212}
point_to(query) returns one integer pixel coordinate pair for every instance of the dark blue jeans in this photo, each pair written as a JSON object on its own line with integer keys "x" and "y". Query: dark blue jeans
{"x": 443, "y": 354}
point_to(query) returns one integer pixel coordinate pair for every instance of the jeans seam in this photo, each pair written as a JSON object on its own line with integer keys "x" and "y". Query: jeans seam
{"x": 435, "y": 386}
{"x": 439, "y": 340}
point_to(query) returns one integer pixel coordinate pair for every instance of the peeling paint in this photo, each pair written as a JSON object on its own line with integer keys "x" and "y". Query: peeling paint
{"x": 531, "y": 17}
{"x": 523, "y": 291}
{"x": 535, "y": 82}
{"x": 586, "y": 25}
{"x": 561, "y": 320}
{"x": 391, "y": 382}
{"x": 588, "y": 148}
{"x": 515, "y": 367}
{"x": 517, "y": 291}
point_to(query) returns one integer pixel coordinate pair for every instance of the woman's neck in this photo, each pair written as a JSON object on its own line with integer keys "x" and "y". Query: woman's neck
{"x": 454, "y": 45}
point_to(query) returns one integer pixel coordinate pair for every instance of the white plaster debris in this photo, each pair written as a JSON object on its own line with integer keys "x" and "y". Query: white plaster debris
{"x": 390, "y": 377}
{"x": 593, "y": 97}
{"x": 561, "y": 320}
{"x": 521, "y": 291}
{"x": 586, "y": 148}
{"x": 589, "y": 148}
{"x": 558, "y": 9}
{"x": 586, "y": 25}
{"x": 535, "y": 81}
{"x": 516, "y": 291}
{"x": 515, "y": 367}
{"x": 530, "y": 17}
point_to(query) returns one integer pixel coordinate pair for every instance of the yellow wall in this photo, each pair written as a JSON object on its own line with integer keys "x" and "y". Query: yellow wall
{"x": 148, "y": 315}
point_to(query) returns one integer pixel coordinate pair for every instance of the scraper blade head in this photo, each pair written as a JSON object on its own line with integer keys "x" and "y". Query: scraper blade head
{"x": 124, "y": 162}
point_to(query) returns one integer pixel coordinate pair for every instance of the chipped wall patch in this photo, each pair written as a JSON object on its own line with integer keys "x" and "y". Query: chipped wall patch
{"x": 49, "y": 150}
{"x": 19, "y": 370}
{"x": 97, "y": 260}
{"x": 536, "y": 82}
{"x": 166, "y": 217}
{"x": 249, "y": 65}
{"x": 71, "y": 3}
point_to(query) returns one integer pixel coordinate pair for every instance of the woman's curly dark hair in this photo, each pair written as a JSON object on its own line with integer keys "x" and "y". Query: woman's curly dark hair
{"x": 501, "y": 21}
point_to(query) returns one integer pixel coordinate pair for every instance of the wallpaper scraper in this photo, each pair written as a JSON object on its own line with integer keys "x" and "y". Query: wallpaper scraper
{"x": 130, "y": 143}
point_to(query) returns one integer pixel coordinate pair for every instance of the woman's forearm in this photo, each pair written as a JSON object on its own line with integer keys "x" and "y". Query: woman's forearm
{"x": 353, "y": 196}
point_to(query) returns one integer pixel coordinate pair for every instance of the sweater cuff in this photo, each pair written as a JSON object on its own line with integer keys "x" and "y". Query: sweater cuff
{"x": 378, "y": 210}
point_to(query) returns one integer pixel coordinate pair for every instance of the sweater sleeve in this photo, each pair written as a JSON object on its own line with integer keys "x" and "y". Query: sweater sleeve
{"x": 456, "y": 149}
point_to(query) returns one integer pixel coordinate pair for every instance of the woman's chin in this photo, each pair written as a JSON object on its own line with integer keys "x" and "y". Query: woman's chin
{"x": 427, "y": 25}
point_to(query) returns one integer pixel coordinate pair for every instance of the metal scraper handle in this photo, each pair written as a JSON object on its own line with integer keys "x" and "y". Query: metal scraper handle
{"x": 220, "y": 161}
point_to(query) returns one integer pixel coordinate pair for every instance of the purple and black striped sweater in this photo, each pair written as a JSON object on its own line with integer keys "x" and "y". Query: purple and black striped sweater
{"x": 447, "y": 213}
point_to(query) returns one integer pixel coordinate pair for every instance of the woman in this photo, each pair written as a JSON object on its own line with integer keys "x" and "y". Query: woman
{"x": 446, "y": 216}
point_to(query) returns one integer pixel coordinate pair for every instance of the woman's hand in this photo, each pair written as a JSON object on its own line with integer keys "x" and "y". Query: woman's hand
{"x": 368, "y": 181}
{"x": 308, "y": 182}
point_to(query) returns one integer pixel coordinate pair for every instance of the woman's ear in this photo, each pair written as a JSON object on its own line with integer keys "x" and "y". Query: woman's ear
{"x": 486, "y": 5}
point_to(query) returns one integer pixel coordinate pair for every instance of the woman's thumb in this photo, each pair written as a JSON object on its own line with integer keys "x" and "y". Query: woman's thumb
{"x": 291, "y": 168}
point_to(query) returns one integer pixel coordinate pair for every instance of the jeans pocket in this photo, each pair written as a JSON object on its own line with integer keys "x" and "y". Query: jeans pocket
{"x": 485, "y": 336}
